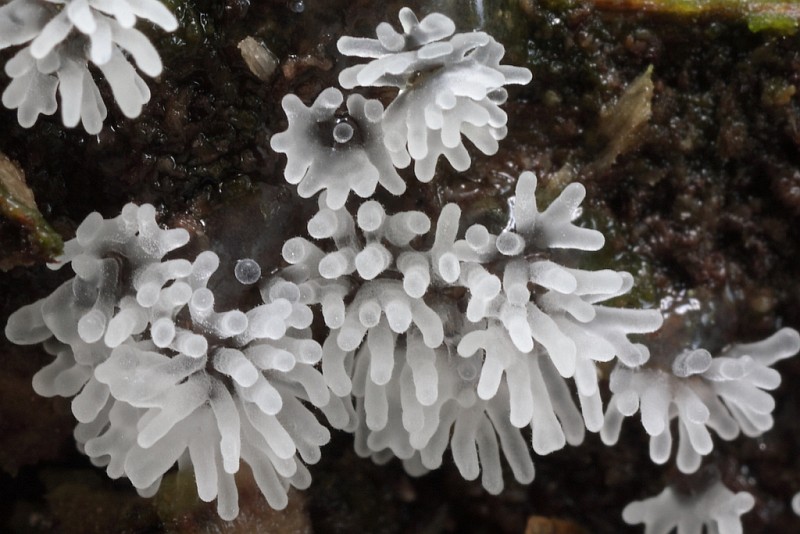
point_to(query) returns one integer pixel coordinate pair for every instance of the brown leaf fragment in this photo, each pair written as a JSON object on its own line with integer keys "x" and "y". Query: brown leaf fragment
{"x": 182, "y": 512}
{"x": 622, "y": 123}
{"x": 25, "y": 236}
{"x": 549, "y": 525}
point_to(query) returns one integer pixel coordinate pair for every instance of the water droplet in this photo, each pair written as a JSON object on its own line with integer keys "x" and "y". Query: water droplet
{"x": 247, "y": 271}
{"x": 342, "y": 132}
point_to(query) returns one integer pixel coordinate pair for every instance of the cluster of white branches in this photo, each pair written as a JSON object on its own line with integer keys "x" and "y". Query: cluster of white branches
{"x": 488, "y": 361}
{"x": 438, "y": 336}
{"x": 61, "y": 38}
{"x": 450, "y": 86}
{"x": 159, "y": 376}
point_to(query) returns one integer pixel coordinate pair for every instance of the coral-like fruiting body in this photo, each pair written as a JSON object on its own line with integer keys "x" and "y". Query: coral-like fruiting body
{"x": 158, "y": 376}
{"x": 450, "y": 86}
{"x": 714, "y": 510}
{"x": 337, "y": 154}
{"x": 477, "y": 431}
{"x": 396, "y": 344}
{"x": 64, "y": 36}
{"x": 89, "y": 308}
{"x": 726, "y": 393}
{"x": 436, "y": 337}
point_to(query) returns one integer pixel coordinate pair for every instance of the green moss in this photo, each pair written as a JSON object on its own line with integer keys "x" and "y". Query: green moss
{"x": 620, "y": 253}
{"x": 177, "y": 496}
{"x": 780, "y": 16}
{"x": 772, "y": 21}
{"x": 40, "y": 233}
{"x": 194, "y": 28}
